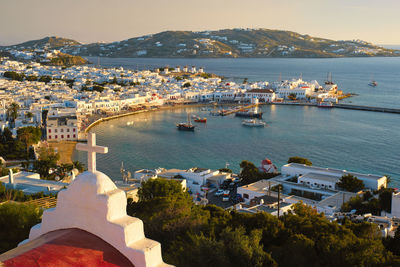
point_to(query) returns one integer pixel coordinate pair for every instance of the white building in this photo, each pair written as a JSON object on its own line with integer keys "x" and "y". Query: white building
{"x": 325, "y": 177}
{"x": 263, "y": 95}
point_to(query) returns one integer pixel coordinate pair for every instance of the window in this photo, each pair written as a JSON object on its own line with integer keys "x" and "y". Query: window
{"x": 49, "y": 130}
{"x": 55, "y": 131}
{"x": 68, "y": 130}
{"x": 62, "y": 136}
{"x": 49, "y": 136}
{"x": 68, "y": 136}
{"x": 246, "y": 196}
{"x": 62, "y": 130}
{"x": 74, "y": 136}
{"x": 56, "y": 137}
{"x": 73, "y": 130}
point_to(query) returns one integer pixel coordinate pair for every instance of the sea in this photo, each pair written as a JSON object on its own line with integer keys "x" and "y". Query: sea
{"x": 360, "y": 141}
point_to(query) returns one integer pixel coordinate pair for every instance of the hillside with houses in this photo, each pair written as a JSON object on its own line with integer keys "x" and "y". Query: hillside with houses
{"x": 231, "y": 43}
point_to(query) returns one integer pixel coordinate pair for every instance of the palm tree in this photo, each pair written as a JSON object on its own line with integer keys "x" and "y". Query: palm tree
{"x": 79, "y": 166}
{"x": 26, "y": 137}
{"x": 12, "y": 112}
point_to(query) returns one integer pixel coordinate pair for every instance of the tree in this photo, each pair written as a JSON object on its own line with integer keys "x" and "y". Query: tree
{"x": 12, "y": 112}
{"x": 16, "y": 220}
{"x": 292, "y": 96}
{"x": 187, "y": 84}
{"x": 47, "y": 160}
{"x": 300, "y": 160}
{"x": 29, "y": 115}
{"x": 79, "y": 166}
{"x": 29, "y": 135}
{"x": 350, "y": 183}
{"x": 226, "y": 170}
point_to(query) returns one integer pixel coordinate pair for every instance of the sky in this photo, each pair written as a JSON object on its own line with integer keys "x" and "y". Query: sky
{"x": 87, "y": 21}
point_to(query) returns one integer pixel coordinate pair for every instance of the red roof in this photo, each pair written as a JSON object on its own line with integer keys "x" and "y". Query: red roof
{"x": 68, "y": 247}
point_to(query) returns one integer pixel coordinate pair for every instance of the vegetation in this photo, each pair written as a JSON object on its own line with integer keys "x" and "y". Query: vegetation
{"x": 67, "y": 60}
{"x": 16, "y": 220}
{"x": 350, "y": 183}
{"x": 292, "y": 96}
{"x": 14, "y": 75}
{"x": 18, "y": 148}
{"x": 250, "y": 173}
{"x": 47, "y": 160}
{"x": 226, "y": 170}
{"x": 300, "y": 160}
{"x": 369, "y": 203}
{"x": 12, "y": 112}
{"x": 187, "y": 84}
{"x": 192, "y": 235}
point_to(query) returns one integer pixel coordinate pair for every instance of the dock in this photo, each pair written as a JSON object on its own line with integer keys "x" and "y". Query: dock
{"x": 232, "y": 111}
{"x": 345, "y": 106}
{"x": 368, "y": 108}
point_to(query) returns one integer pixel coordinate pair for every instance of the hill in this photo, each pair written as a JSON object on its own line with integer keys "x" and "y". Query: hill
{"x": 53, "y": 42}
{"x": 257, "y": 43}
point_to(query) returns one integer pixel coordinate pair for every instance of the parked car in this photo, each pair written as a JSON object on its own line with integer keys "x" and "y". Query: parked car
{"x": 220, "y": 192}
{"x": 226, "y": 193}
{"x": 225, "y": 198}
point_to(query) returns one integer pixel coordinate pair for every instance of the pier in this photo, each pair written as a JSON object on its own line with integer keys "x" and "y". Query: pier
{"x": 368, "y": 108}
{"x": 343, "y": 106}
{"x": 232, "y": 111}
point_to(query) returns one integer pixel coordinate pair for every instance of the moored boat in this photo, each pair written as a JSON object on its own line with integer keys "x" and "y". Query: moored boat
{"x": 249, "y": 114}
{"x": 198, "y": 119}
{"x": 325, "y": 105}
{"x": 373, "y": 83}
{"x": 183, "y": 126}
{"x": 253, "y": 123}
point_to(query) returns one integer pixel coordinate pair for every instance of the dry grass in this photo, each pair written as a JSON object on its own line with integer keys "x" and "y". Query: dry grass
{"x": 65, "y": 149}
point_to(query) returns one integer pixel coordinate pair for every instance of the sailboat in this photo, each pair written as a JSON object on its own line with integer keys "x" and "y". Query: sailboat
{"x": 373, "y": 83}
{"x": 186, "y": 126}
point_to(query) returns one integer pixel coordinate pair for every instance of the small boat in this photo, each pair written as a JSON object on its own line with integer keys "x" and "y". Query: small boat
{"x": 325, "y": 105}
{"x": 249, "y": 114}
{"x": 373, "y": 83}
{"x": 253, "y": 123}
{"x": 183, "y": 126}
{"x": 198, "y": 119}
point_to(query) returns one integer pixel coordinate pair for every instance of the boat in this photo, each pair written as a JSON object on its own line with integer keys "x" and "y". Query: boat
{"x": 325, "y": 104}
{"x": 198, "y": 119}
{"x": 253, "y": 123}
{"x": 253, "y": 113}
{"x": 186, "y": 126}
{"x": 373, "y": 83}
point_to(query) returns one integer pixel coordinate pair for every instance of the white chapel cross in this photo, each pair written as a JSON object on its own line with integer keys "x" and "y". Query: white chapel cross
{"x": 92, "y": 149}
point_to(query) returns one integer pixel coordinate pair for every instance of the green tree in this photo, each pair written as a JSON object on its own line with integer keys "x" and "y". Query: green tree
{"x": 47, "y": 160}
{"x": 29, "y": 135}
{"x": 350, "y": 183}
{"x": 225, "y": 170}
{"x": 16, "y": 220}
{"x": 12, "y": 112}
{"x": 187, "y": 84}
{"x": 300, "y": 160}
{"x": 292, "y": 96}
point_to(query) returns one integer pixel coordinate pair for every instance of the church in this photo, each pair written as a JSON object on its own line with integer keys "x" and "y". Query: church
{"x": 88, "y": 227}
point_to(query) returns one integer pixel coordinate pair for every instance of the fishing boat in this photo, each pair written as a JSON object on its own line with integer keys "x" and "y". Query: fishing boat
{"x": 198, "y": 119}
{"x": 253, "y": 123}
{"x": 186, "y": 126}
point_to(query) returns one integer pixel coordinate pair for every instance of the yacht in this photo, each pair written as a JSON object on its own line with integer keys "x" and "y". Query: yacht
{"x": 253, "y": 123}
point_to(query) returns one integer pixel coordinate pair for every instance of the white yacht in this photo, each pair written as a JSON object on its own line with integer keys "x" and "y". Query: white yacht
{"x": 254, "y": 123}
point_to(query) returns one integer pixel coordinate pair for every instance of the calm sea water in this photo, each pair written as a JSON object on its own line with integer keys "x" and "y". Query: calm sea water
{"x": 361, "y": 141}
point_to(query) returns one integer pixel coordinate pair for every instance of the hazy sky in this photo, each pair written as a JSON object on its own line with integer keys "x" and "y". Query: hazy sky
{"x": 87, "y": 21}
